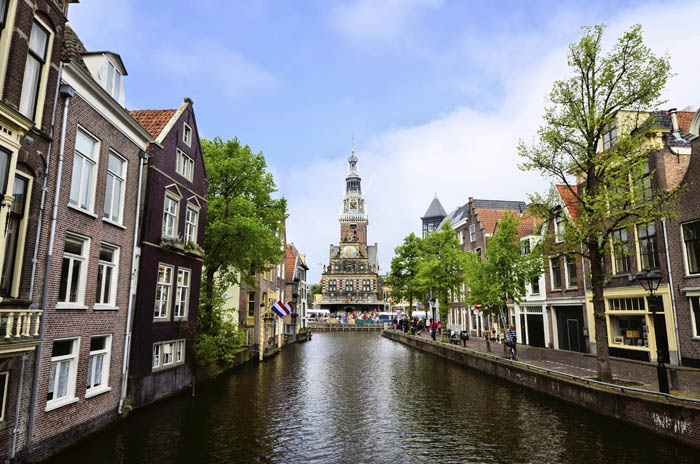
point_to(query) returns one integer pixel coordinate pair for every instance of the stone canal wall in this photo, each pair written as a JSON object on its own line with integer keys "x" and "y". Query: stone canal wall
{"x": 668, "y": 416}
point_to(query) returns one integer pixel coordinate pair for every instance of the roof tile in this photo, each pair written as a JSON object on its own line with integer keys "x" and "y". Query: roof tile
{"x": 569, "y": 199}
{"x": 153, "y": 120}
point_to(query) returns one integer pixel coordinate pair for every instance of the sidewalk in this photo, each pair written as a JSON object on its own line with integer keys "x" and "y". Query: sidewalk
{"x": 638, "y": 374}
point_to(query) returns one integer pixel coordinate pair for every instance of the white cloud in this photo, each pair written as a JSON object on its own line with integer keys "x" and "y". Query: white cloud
{"x": 209, "y": 64}
{"x": 370, "y": 22}
{"x": 471, "y": 152}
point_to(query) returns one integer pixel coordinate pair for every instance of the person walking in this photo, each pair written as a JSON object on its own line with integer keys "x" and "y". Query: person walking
{"x": 512, "y": 338}
{"x": 433, "y": 328}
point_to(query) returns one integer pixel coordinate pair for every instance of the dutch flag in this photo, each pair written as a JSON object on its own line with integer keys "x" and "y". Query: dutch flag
{"x": 281, "y": 309}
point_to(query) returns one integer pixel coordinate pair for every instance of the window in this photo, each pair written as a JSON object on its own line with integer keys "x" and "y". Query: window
{"x": 114, "y": 192}
{"x": 182, "y": 294}
{"x": 695, "y": 306}
{"x": 525, "y": 247}
{"x": 629, "y": 330}
{"x": 191, "y": 219}
{"x": 82, "y": 187}
{"x": 3, "y": 17}
{"x": 113, "y": 81}
{"x": 643, "y": 184}
{"x": 691, "y": 239}
{"x": 571, "y": 276}
{"x": 610, "y": 136}
{"x": 163, "y": 291}
{"x": 170, "y": 216}
{"x": 366, "y": 287}
{"x": 431, "y": 227}
{"x": 64, "y": 356}
{"x": 4, "y": 377}
{"x": 251, "y": 304}
{"x": 535, "y": 285}
{"x": 332, "y": 286}
{"x": 16, "y": 222}
{"x": 626, "y": 304}
{"x": 187, "y": 134}
{"x": 72, "y": 285}
{"x": 559, "y": 228}
{"x": 185, "y": 165}
{"x": 460, "y": 236}
{"x": 647, "y": 246}
{"x": 555, "y": 270}
{"x": 478, "y": 252}
{"x": 621, "y": 251}
{"x": 168, "y": 354}
{"x": 472, "y": 232}
{"x": 98, "y": 364}
{"x": 107, "y": 275}
{"x": 349, "y": 285}
{"x": 36, "y": 58}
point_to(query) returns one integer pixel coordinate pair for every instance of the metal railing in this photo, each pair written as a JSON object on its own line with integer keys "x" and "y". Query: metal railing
{"x": 18, "y": 325}
{"x": 575, "y": 378}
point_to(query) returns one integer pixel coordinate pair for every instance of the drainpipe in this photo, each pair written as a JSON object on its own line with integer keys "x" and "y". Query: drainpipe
{"x": 15, "y": 430}
{"x": 673, "y": 295}
{"x": 132, "y": 287}
{"x": 67, "y": 92}
{"x": 585, "y": 292}
{"x": 45, "y": 187}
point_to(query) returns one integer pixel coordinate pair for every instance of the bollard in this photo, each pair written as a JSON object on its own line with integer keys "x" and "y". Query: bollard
{"x": 675, "y": 383}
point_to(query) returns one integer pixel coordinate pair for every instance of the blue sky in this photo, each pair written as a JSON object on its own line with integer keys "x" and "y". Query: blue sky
{"x": 436, "y": 92}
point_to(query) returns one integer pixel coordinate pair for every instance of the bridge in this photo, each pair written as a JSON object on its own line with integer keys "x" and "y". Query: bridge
{"x": 340, "y": 327}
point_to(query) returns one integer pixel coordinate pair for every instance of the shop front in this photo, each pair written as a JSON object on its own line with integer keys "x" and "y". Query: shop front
{"x": 633, "y": 331}
{"x": 531, "y": 325}
{"x": 569, "y": 327}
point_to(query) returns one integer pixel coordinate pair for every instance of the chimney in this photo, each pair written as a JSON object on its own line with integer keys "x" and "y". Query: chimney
{"x": 674, "y": 120}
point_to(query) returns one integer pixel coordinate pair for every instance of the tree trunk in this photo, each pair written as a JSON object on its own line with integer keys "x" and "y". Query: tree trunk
{"x": 601, "y": 326}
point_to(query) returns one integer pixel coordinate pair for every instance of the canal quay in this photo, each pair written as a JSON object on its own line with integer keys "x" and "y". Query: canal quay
{"x": 357, "y": 397}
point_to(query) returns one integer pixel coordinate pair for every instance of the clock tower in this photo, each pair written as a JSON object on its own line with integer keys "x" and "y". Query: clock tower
{"x": 350, "y": 281}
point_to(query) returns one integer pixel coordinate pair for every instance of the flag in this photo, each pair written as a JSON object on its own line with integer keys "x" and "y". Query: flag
{"x": 288, "y": 306}
{"x": 280, "y": 309}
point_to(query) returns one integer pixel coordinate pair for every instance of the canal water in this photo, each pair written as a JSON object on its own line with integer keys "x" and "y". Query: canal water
{"x": 359, "y": 398}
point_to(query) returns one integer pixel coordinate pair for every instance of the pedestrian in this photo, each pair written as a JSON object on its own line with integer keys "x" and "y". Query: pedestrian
{"x": 512, "y": 337}
{"x": 439, "y": 328}
{"x": 433, "y": 328}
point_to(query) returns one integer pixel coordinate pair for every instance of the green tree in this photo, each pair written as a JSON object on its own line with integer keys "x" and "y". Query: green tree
{"x": 502, "y": 276}
{"x": 404, "y": 270}
{"x": 315, "y": 290}
{"x": 626, "y": 81}
{"x": 441, "y": 268}
{"x": 243, "y": 233}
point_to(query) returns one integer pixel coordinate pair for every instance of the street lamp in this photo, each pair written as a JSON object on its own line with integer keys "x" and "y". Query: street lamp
{"x": 432, "y": 307}
{"x": 650, "y": 281}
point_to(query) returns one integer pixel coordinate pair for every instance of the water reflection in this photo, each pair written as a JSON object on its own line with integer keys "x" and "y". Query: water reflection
{"x": 359, "y": 398}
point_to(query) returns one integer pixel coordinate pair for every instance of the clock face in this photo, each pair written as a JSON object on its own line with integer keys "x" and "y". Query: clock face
{"x": 349, "y": 252}
{"x": 353, "y": 204}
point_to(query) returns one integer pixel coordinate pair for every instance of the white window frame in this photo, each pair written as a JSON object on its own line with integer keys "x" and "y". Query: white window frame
{"x": 6, "y": 383}
{"x": 184, "y": 165}
{"x": 685, "y": 250}
{"x": 182, "y": 305}
{"x": 559, "y": 228}
{"x": 106, "y": 353}
{"x": 159, "y": 313}
{"x": 113, "y": 80}
{"x": 72, "y": 358}
{"x": 176, "y": 352}
{"x": 191, "y": 227}
{"x": 186, "y": 134}
{"x": 115, "y": 178}
{"x": 82, "y": 278}
{"x": 566, "y": 272}
{"x": 472, "y": 232}
{"x": 114, "y": 279}
{"x": 83, "y": 159}
{"x": 167, "y": 214}
{"x": 551, "y": 273}
{"x": 693, "y": 321}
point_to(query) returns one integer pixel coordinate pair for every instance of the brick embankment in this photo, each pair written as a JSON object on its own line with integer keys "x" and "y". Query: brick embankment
{"x": 668, "y": 416}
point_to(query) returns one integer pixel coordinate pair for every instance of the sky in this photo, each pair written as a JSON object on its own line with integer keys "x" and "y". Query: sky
{"x": 434, "y": 95}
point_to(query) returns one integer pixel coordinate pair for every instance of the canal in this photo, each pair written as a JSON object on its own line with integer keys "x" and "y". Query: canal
{"x": 359, "y": 398}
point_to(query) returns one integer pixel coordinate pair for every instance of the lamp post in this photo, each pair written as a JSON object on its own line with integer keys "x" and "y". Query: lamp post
{"x": 650, "y": 281}
{"x": 432, "y": 308}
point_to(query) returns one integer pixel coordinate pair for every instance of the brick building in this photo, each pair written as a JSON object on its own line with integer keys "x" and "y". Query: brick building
{"x": 170, "y": 269}
{"x": 88, "y": 248}
{"x": 295, "y": 290}
{"x": 31, "y": 34}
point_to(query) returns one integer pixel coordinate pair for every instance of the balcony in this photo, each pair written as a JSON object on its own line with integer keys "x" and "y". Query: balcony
{"x": 19, "y": 325}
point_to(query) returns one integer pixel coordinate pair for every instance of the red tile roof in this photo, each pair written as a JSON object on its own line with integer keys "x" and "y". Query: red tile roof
{"x": 153, "y": 120}
{"x": 684, "y": 119}
{"x": 489, "y": 219}
{"x": 291, "y": 261}
{"x": 570, "y": 201}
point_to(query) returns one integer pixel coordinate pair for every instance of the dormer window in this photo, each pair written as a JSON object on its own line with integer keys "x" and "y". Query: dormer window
{"x": 113, "y": 82}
